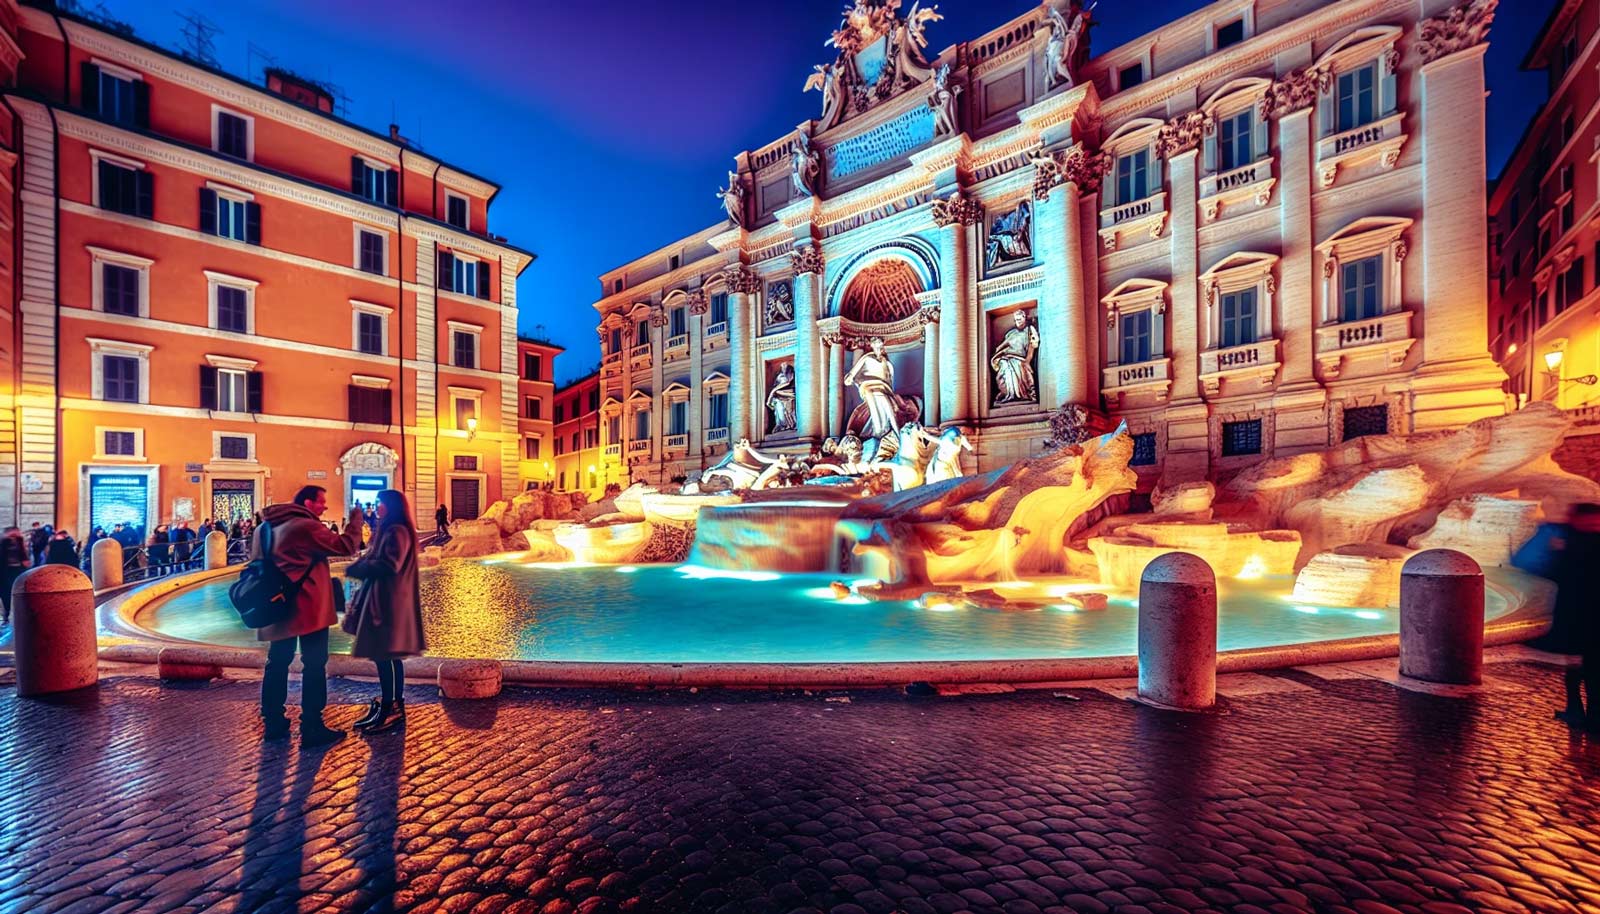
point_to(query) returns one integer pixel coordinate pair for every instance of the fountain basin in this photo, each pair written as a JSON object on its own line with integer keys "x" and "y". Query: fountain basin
{"x": 795, "y": 536}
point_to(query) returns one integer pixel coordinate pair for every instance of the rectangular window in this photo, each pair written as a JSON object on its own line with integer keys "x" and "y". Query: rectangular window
{"x": 120, "y": 378}
{"x": 130, "y": 191}
{"x": 1361, "y": 421}
{"x": 370, "y": 247}
{"x": 1133, "y": 176}
{"x": 233, "y": 447}
{"x": 120, "y": 289}
{"x": 1135, "y": 337}
{"x": 641, "y": 425}
{"x": 464, "y": 349}
{"x": 1144, "y": 450}
{"x": 466, "y": 462}
{"x": 560, "y": 447}
{"x": 117, "y": 99}
{"x": 233, "y": 309}
{"x": 641, "y": 333}
{"x": 466, "y": 409}
{"x": 121, "y": 444}
{"x": 1360, "y": 291}
{"x": 1130, "y": 76}
{"x": 230, "y": 390}
{"x": 532, "y": 407}
{"x": 530, "y": 448}
{"x": 1230, "y": 34}
{"x": 1568, "y": 213}
{"x": 616, "y": 339}
{"x": 455, "y": 211}
{"x": 228, "y": 216}
{"x": 718, "y": 407}
{"x": 678, "y": 419}
{"x": 532, "y": 366}
{"x": 1240, "y": 438}
{"x": 369, "y": 405}
{"x": 680, "y": 322}
{"x": 1234, "y": 137}
{"x": 719, "y": 308}
{"x": 1238, "y": 318}
{"x": 380, "y": 185}
{"x": 1358, "y": 97}
{"x": 464, "y": 277}
{"x": 369, "y": 333}
{"x": 233, "y": 135}
{"x": 594, "y": 400}
{"x": 561, "y": 410}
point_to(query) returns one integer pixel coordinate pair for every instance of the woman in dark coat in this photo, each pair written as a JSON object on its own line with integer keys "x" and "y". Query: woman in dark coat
{"x": 385, "y": 617}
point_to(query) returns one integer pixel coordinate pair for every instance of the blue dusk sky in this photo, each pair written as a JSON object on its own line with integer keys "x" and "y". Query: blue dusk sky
{"x": 611, "y": 125}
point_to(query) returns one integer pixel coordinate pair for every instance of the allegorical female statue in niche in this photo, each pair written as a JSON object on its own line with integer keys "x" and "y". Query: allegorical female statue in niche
{"x": 780, "y": 400}
{"x": 1012, "y": 362}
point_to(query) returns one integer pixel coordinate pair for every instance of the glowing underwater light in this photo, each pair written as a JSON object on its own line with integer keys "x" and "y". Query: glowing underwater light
{"x": 1255, "y": 567}
{"x": 627, "y": 569}
{"x": 702, "y": 573}
{"x": 1367, "y": 614}
{"x": 1308, "y": 610}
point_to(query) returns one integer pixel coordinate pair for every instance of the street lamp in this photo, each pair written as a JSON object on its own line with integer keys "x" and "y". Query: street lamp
{"x": 1553, "y": 360}
{"x": 472, "y": 427}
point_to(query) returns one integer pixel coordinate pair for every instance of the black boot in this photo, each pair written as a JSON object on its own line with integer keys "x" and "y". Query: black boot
{"x": 373, "y": 715}
{"x": 394, "y": 715}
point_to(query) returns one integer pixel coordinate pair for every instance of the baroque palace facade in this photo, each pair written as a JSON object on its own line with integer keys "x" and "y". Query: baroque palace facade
{"x": 1256, "y": 231}
{"x": 221, "y": 292}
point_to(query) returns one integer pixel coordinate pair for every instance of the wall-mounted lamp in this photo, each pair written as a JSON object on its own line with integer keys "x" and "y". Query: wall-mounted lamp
{"x": 1553, "y": 360}
{"x": 472, "y": 427}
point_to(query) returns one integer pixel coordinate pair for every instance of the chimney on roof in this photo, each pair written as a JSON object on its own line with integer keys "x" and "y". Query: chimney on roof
{"x": 299, "y": 90}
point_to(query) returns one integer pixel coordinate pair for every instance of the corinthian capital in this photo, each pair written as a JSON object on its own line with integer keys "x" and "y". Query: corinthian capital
{"x": 698, "y": 302}
{"x": 741, "y": 280}
{"x": 1461, "y": 27}
{"x": 1183, "y": 134}
{"x": 1296, "y": 90}
{"x": 806, "y": 260}
{"x": 957, "y": 209}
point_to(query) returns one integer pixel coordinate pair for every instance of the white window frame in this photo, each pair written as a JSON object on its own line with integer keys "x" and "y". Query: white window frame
{"x": 382, "y": 168}
{"x": 214, "y": 281}
{"x": 100, "y": 443}
{"x": 216, "y": 446}
{"x": 232, "y": 195}
{"x": 95, "y": 157}
{"x": 452, "y": 195}
{"x": 355, "y": 246}
{"x": 358, "y": 308}
{"x": 1130, "y": 297}
{"x": 115, "y": 71}
{"x": 1360, "y": 239}
{"x": 457, "y": 258}
{"x": 372, "y": 381}
{"x": 465, "y": 393}
{"x": 1143, "y": 59}
{"x": 1236, "y": 272}
{"x": 103, "y": 347}
{"x": 249, "y": 130}
{"x": 99, "y": 257}
{"x": 1245, "y": 11}
{"x": 476, "y": 331}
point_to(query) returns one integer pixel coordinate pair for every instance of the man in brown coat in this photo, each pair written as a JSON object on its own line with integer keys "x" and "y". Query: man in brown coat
{"x": 301, "y": 544}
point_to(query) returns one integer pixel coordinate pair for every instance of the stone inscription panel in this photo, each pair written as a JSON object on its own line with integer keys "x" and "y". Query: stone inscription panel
{"x": 881, "y": 144}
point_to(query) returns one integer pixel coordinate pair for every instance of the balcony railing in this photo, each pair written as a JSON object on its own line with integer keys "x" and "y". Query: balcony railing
{"x": 676, "y": 442}
{"x": 1387, "y": 335}
{"x": 681, "y": 341}
{"x": 720, "y": 328}
{"x": 716, "y": 435}
{"x": 1258, "y": 360}
{"x": 1378, "y": 141}
{"x": 639, "y": 446}
{"x": 1248, "y": 183}
{"x": 1155, "y": 374}
{"x": 613, "y": 450}
{"x": 1148, "y": 216}
{"x": 641, "y": 351}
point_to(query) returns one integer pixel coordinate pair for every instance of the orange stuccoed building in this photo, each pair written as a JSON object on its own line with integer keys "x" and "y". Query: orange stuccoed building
{"x": 217, "y": 292}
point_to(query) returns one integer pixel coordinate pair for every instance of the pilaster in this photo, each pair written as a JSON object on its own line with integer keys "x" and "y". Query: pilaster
{"x": 807, "y": 348}
{"x": 1188, "y": 434}
{"x": 955, "y": 217}
{"x": 740, "y": 342}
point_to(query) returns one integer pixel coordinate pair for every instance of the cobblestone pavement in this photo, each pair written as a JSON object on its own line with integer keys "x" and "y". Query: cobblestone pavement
{"x": 1314, "y": 794}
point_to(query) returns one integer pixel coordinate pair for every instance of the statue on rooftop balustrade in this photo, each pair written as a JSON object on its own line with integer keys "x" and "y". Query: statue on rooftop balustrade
{"x": 732, "y": 198}
{"x": 805, "y": 165}
{"x": 826, "y": 81}
{"x": 943, "y": 102}
{"x": 1062, "y": 50}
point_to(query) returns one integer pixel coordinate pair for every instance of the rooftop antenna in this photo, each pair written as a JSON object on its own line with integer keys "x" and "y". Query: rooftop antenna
{"x": 198, "y": 33}
{"x": 254, "y": 51}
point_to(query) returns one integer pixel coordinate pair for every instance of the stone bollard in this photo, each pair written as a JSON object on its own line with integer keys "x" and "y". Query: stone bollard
{"x": 1178, "y": 633}
{"x": 1441, "y": 618}
{"x": 54, "y": 630}
{"x": 216, "y": 550}
{"x": 105, "y": 563}
{"x": 469, "y": 678}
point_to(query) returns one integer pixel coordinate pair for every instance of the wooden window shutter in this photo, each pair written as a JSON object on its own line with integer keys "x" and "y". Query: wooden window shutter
{"x": 208, "y": 211}
{"x": 483, "y": 279}
{"x": 141, "y": 104}
{"x": 145, "y": 204}
{"x": 252, "y": 223}
{"x": 447, "y": 269}
{"x": 252, "y": 392}
{"x": 208, "y": 387}
{"x": 358, "y": 172}
{"x": 352, "y": 399}
{"x": 90, "y": 75}
{"x": 386, "y": 413}
{"x": 391, "y": 179}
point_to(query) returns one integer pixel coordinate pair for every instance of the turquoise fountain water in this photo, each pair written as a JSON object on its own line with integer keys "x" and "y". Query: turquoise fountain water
{"x": 659, "y": 613}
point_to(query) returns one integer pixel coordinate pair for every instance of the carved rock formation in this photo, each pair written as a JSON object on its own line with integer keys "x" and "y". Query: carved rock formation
{"x": 1362, "y": 490}
{"x": 1230, "y": 553}
{"x": 996, "y": 526}
{"x": 1488, "y": 528}
{"x": 1359, "y": 574}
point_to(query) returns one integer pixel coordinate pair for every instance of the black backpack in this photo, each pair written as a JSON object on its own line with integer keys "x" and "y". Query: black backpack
{"x": 263, "y": 594}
